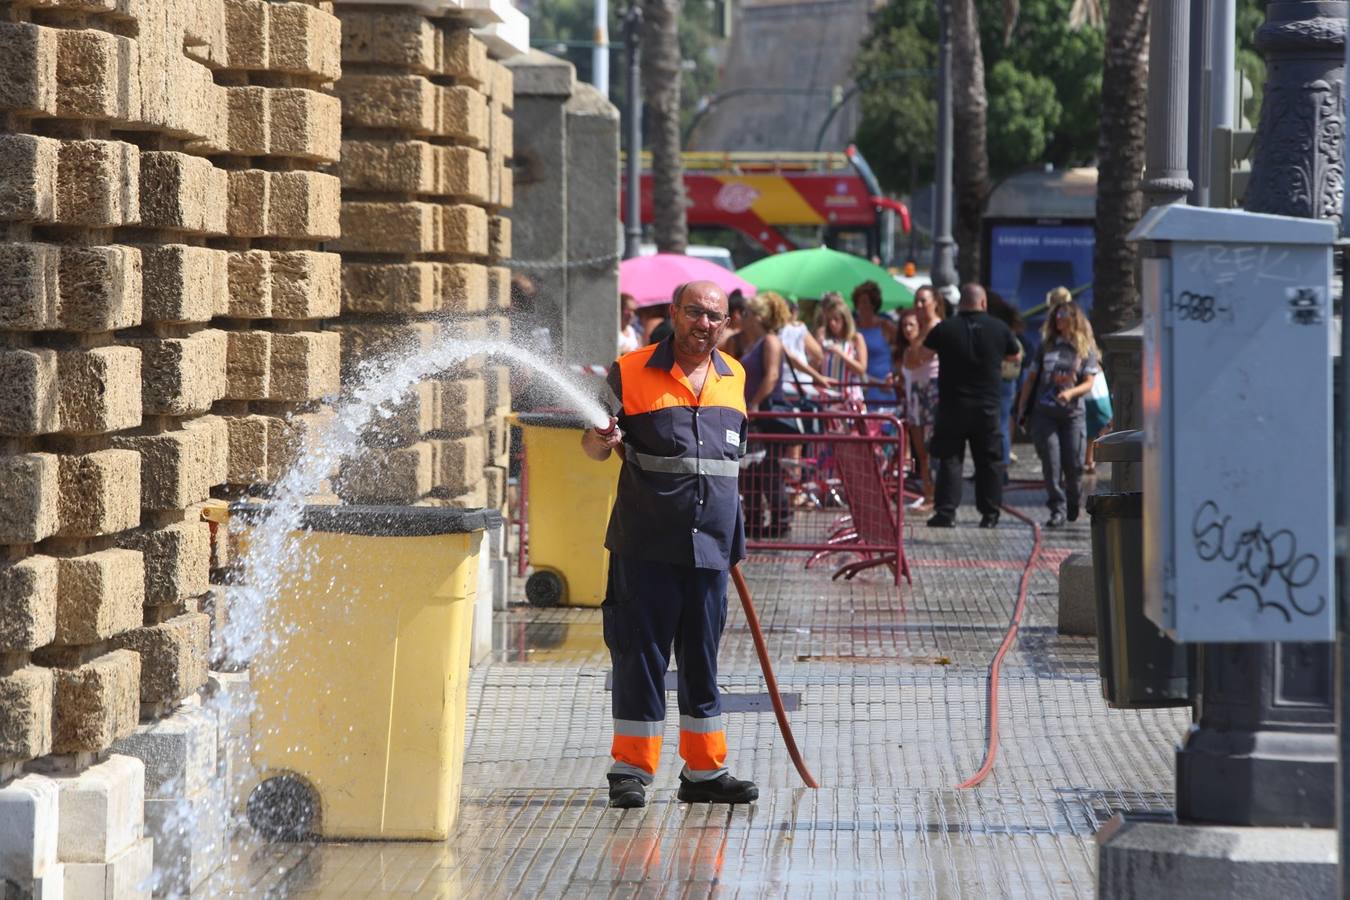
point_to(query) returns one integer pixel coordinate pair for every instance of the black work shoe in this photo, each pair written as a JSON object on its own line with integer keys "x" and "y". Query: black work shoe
{"x": 941, "y": 520}
{"x": 722, "y": 789}
{"x": 989, "y": 520}
{"x": 1073, "y": 512}
{"x": 626, "y": 792}
{"x": 1056, "y": 520}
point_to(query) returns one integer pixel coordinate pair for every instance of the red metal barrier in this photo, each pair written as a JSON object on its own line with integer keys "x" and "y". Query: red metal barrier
{"x": 839, "y": 494}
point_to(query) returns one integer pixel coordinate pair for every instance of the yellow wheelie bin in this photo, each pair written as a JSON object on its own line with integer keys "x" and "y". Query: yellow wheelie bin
{"x": 361, "y": 689}
{"x": 569, "y": 499}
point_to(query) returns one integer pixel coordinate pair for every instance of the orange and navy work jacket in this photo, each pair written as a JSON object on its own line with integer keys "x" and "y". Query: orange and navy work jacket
{"x": 678, "y": 499}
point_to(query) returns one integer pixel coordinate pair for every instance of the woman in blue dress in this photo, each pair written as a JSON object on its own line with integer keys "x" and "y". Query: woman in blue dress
{"x": 878, "y": 334}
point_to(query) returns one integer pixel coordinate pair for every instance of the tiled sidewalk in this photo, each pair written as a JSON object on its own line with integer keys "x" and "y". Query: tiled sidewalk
{"x": 892, "y": 689}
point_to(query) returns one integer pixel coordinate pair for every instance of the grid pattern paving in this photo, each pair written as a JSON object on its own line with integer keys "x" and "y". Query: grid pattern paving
{"x": 892, "y": 715}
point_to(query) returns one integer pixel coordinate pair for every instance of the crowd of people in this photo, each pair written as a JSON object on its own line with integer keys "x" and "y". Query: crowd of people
{"x": 954, "y": 377}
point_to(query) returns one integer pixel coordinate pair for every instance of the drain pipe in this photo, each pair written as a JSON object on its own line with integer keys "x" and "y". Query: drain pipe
{"x": 763, "y": 652}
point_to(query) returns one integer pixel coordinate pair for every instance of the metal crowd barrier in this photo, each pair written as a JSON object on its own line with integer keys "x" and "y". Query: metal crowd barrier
{"x": 834, "y": 489}
{"x": 834, "y": 493}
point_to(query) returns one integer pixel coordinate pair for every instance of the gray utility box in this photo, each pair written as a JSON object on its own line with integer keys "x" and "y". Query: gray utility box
{"x": 1237, "y": 425}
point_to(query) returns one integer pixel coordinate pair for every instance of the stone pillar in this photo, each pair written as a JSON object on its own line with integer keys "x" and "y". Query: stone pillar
{"x": 543, "y": 85}
{"x": 426, "y": 137}
{"x": 1166, "y": 163}
{"x": 1264, "y": 749}
{"x": 594, "y": 239}
{"x": 566, "y": 219}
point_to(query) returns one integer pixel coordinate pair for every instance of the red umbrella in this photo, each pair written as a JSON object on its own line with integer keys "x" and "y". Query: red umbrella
{"x": 652, "y": 279}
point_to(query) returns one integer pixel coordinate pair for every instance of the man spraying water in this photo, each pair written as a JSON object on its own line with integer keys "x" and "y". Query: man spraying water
{"x": 677, "y": 417}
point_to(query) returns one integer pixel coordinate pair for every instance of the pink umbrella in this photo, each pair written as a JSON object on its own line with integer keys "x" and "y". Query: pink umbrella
{"x": 652, "y": 279}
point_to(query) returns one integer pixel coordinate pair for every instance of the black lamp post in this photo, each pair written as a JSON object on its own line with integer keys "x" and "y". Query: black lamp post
{"x": 632, "y": 37}
{"x": 943, "y": 267}
{"x": 1263, "y": 750}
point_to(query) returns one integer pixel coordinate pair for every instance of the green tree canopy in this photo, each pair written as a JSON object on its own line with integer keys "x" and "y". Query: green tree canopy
{"x": 1024, "y": 112}
{"x": 563, "y": 28}
{"x": 898, "y": 128}
{"x": 1044, "y": 89}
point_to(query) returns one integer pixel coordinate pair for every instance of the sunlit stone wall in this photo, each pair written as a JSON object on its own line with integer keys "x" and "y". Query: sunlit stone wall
{"x": 425, "y": 149}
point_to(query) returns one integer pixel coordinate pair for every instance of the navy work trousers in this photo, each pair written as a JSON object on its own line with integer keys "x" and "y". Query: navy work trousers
{"x": 952, "y": 431}
{"x": 650, "y": 606}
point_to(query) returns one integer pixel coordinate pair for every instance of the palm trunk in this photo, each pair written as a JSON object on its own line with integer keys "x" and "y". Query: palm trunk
{"x": 1120, "y": 164}
{"x": 970, "y": 160}
{"x": 661, "y": 75}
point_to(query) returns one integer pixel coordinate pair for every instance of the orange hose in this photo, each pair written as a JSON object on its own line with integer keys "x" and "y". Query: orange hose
{"x": 763, "y": 651}
{"x": 991, "y": 750}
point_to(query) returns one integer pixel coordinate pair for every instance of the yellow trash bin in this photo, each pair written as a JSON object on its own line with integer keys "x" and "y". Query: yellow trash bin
{"x": 360, "y": 697}
{"x": 570, "y": 497}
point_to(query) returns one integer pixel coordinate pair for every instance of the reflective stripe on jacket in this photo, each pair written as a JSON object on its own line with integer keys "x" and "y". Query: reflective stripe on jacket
{"x": 678, "y": 498}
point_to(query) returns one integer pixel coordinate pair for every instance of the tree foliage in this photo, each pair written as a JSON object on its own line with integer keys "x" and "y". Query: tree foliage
{"x": 661, "y": 84}
{"x": 1044, "y": 89}
{"x": 1250, "y": 15}
{"x": 898, "y": 128}
{"x": 1027, "y": 111}
{"x": 555, "y": 23}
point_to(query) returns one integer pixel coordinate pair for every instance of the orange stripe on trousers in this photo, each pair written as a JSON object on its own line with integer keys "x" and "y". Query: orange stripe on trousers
{"x": 703, "y": 752}
{"x": 643, "y": 752}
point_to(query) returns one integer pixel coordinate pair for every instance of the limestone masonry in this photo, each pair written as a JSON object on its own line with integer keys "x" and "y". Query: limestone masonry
{"x": 209, "y": 210}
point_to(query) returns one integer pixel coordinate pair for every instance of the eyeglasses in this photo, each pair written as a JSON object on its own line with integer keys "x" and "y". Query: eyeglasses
{"x": 697, "y": 312}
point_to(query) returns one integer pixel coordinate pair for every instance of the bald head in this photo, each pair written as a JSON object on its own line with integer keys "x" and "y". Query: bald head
{"x": 698, "y": 313}
{"x": 704, "y": 293}
{"x": 973, "y": 297}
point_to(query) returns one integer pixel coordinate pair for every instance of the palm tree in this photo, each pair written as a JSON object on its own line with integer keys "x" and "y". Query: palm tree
{"x": 970, "y": 151}
{"x": 661, "y": 76}
{"x": 1120, "y": 162}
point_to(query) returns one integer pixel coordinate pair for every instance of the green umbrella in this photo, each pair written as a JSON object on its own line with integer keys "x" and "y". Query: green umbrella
{"x": 808, "y": 274}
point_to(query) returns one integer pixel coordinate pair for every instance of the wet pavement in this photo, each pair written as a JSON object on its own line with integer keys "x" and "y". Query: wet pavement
{"x": 891, "y": 688}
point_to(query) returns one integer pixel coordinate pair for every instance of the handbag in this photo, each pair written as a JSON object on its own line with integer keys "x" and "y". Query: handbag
{"x": 807, "y": 405}
{"x": 783, "y": 422}
{"x": 1099, "y": 397}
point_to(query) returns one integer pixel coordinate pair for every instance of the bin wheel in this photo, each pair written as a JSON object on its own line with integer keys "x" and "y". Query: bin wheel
{"x": 282, "y": 808}
{"x": 545, "y": 588}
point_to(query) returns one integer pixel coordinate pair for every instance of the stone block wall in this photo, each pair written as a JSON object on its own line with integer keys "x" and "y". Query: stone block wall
{"x": 426, "y": 140}
{"x": 170, "y": 287}
{"x": 107, "y": 206}
{"x": 282, "y": 136}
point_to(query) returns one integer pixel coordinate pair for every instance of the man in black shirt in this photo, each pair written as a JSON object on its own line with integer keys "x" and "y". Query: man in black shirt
{"x": 971, "y": 348}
